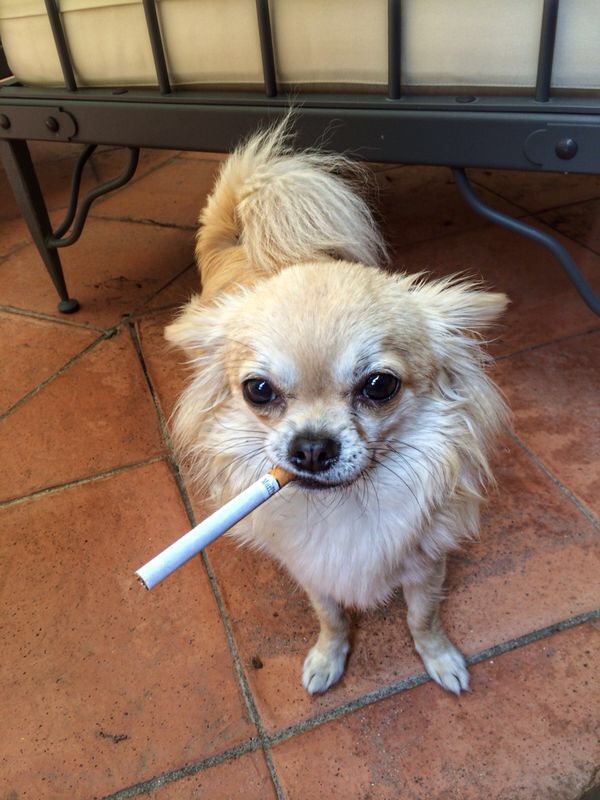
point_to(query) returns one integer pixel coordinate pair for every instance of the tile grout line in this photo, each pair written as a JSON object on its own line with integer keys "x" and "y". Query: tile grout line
{"x": 138, "y": 311}
{"x": 532, "y": 348}
{"x": 143, "y": 221}
{"x": 66, "y": 366}
{"x": 524, "y": 209}
{"x": 39, "y": 315}
{"x": 567, "y": 205}
{"x": 422, "y": 677}
{"x": 15, "y": 248}
{"x": 243, "y": 681}
{"x": 237, "y": 662}
{"x": 357, "y": 704}
{"x": 137, "y": 176}
{"x": 537, "y": 215}
{"x": 183, "y": 772}
{"x": 589, "y": 515}
{"x": 97, "y": 476}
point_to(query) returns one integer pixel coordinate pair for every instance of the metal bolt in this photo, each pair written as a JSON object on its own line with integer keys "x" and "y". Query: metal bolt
{"x": 52, "y": 124}
{"x": 4, "y": 122}
{"x": 566, "y": 148}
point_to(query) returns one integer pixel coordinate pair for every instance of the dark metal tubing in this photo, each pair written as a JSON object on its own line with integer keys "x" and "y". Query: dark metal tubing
{"x": 158, "y": 52}
{"x": 74, "y": 194}
{"x": 61, "y": 45}
{"x": 266, "y": 47}
{"x": 55, "y": 240}
{"x": 25, "y": 185}
{"x": 394, "y": 55}
{"x": 557, "y": 250}
{"x": 4, "y": 68}
{"x": 546, "y": 51}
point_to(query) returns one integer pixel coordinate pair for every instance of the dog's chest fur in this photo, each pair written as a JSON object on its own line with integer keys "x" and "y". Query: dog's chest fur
{"x": 354, "y": 548}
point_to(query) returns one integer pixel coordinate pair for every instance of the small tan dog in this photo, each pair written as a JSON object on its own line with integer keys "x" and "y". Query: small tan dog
{"x": 368, "y": 386}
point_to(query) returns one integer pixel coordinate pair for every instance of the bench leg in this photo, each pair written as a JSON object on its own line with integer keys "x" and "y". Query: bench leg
{"x": 20, "y": 171}
{"x": 558, "y": 251}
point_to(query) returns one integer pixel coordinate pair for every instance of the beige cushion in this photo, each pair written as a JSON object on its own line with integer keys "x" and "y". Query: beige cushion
{"x": 323, "y": 43}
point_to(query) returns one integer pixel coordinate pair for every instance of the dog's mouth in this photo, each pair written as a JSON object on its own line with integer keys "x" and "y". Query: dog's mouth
{"x": 315, "y": 485}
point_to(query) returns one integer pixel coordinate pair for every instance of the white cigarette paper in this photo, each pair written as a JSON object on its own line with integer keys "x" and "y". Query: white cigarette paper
{"x": 177, "y": 554}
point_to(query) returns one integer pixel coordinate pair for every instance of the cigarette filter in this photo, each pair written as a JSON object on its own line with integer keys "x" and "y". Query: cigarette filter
{"x": 177, "y": 554}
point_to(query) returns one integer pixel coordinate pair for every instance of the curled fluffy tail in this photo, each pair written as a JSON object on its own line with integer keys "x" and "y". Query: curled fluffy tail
{"x": 280, "y": 207}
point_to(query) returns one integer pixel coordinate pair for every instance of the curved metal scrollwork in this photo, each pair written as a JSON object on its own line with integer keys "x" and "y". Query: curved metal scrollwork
{"x": 77, "y": 215}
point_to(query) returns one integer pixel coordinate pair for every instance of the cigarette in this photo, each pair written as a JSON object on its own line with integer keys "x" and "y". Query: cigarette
{"x": 189, "y": 545}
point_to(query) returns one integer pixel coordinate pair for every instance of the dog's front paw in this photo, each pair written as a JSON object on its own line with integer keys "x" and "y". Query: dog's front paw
{"x": 321, "y": 670}
{"x": 448, "y": 669}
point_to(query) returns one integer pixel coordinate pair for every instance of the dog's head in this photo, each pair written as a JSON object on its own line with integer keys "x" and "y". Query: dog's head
{"x": 326, "y": 369}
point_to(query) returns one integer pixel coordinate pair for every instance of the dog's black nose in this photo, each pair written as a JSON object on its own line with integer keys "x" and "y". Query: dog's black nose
{"x": 314, "y": 454}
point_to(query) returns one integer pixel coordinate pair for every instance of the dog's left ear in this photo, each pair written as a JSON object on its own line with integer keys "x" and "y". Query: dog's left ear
{"x": 458, "y": 307}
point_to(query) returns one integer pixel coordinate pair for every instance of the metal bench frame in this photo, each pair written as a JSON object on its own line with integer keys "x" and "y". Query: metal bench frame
{"x": 541, "y": 132}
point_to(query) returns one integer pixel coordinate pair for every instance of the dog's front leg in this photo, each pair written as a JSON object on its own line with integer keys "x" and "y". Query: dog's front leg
{"x": 422, "y": 584}
{"x": 325, "y": 663}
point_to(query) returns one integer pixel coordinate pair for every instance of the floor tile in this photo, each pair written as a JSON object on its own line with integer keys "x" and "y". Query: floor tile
{"x": 580, "y": 222}
{"x": 536, "y": 191}
{"x": 42, "y": 152}
{"x": 527, "y": 730}
{"x": 105, "y": 684}
{"x": 415, "y": 204}
{"x": 95, "y": 416}
{"x": 200, "y": 156}
{"x": 176, "y": 293}
{"x": 554, "y": 393}
{"x": 112, "y": 270}
{"x": 535, "y": 564}
{"x": 13, "y": 234}
{"x": 173, "y": 194}
{"x": 246, "y": 776}
{"x": 31, "y": 350}
{"x": 544, "y": 304}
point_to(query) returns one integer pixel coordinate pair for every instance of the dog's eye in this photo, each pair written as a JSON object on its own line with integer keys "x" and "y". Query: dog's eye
{"x": 258, "y": 391}
{"x": 380, "y": 386}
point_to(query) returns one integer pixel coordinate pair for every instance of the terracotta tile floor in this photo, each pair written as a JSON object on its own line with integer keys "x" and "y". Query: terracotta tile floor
{"x": 193, "y": 690}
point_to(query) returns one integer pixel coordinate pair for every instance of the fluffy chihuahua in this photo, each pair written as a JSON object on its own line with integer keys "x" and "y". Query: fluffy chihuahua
{"x": 368, "y": 386}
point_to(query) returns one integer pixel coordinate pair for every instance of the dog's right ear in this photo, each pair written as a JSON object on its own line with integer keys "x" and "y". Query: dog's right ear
{"x": 197, "y": 328}
{"x": 201, "y": 331}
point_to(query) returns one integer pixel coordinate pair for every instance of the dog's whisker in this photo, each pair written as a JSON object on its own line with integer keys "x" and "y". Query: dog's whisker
{"x": 406, "y": 463}
{"x": 386, "y": 447}
{"x": 233, "y": 465}
{"x": 369, "y": 484}
{"x": 337, "y": 498}
{"x": 374, "y": 460}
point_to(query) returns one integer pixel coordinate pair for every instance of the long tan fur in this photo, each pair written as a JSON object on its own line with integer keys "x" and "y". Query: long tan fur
{"x": 294, "y": 297}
